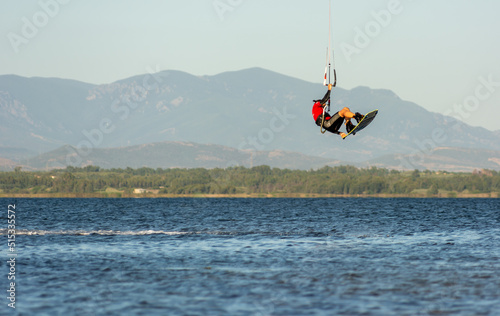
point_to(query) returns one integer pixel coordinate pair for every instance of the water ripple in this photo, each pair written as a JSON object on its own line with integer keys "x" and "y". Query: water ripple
{"x": 258, "y": 257}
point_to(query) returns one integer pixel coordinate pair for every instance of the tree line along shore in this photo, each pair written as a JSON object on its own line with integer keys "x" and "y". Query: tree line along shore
{"x": 261, "y": 181}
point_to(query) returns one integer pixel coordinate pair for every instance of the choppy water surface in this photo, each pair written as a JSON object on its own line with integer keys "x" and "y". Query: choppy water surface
{"x": 255, "y": 256}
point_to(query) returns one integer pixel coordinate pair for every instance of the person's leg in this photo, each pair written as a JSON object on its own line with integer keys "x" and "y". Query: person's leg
{"x": 334, "y": 123}
{"x": 346, "y": 113}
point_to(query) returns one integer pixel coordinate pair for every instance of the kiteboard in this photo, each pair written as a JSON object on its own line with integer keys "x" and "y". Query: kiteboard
{"x": 365, "y": 121}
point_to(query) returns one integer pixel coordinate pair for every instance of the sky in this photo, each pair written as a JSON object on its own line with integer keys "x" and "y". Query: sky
{"x": 441, "y": 54}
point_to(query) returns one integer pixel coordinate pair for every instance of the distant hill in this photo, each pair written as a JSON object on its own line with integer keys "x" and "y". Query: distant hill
{"x": 16, "y": 153}
{"x": 174, "y": 155}
{"x": 441, "y": 158}
{"x": 7, "y": 164}
{"x": 252, "y": 109}
{"x": 191, "y": 155}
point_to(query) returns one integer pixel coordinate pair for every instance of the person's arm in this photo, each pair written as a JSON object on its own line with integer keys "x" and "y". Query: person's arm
{"x": 327, "y": 95}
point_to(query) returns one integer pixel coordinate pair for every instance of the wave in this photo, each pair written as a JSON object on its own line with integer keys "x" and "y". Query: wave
{"x": 26, "y": 232}
{"x": 41, "y": 232}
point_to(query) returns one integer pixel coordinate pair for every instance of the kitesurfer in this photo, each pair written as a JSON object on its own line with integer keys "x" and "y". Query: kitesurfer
{"x": 333, "y": 123}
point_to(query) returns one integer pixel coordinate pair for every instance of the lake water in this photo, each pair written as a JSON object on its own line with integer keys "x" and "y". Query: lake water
{"x": 252, "y": 257}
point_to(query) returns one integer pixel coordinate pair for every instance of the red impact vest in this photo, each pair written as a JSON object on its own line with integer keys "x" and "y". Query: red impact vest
{"x": 317, "y": 110}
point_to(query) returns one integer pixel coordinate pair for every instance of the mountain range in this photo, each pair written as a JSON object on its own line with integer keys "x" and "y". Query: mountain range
{"x": 253, "y": 113}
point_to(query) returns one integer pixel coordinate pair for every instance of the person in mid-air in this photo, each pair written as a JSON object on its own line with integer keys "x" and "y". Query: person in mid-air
{"x": 333, "y": 123}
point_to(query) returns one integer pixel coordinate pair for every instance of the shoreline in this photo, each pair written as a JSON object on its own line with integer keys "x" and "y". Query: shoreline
{"x": 492, "y": 195}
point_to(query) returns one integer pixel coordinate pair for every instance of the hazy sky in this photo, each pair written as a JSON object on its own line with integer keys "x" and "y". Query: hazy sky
{"x": 442, "y": 54}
